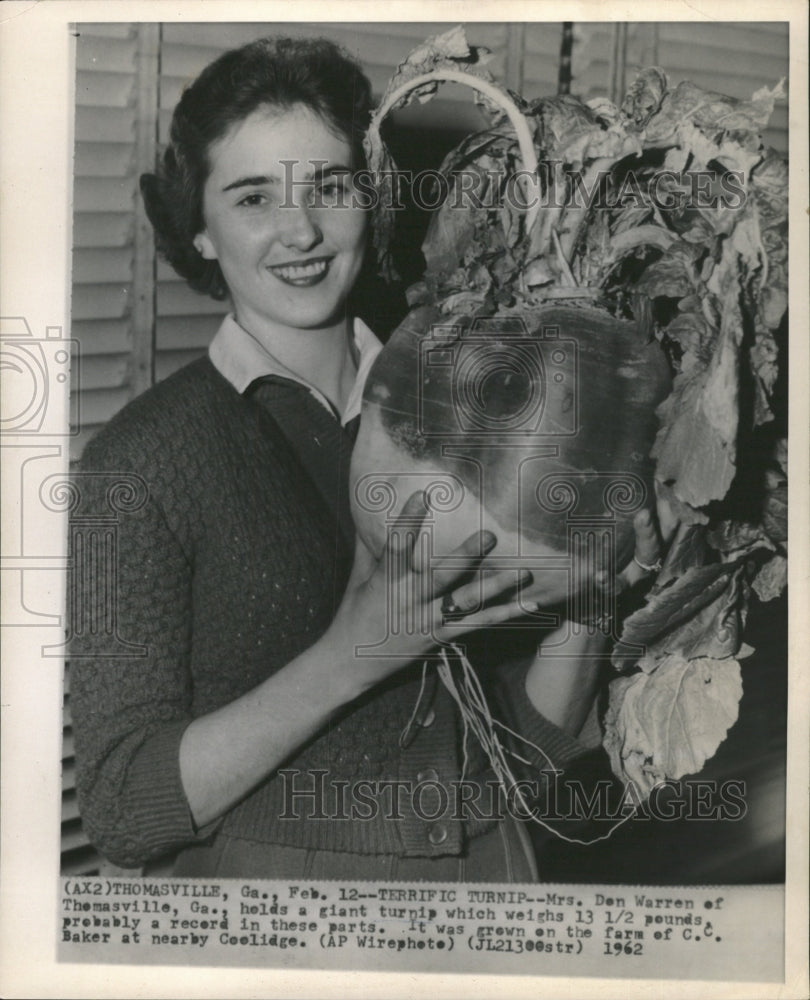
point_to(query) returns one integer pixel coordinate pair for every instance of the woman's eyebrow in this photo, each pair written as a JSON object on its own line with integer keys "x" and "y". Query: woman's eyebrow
{"x": 330, "y": 168}
{"x": 322, "y": 170}
{"x": 251, "y": 182}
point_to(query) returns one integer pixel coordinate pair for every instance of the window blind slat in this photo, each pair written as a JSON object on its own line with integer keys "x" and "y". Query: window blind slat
{"x": 105, "y": 124}
{"x": 102, "y": 264}
{"x": 105, "y": 371}
{"x": 101, "y": 336}
{"x": 100, "y": 301}
{"x": 97, "y": 53}
{"x": 104, "y": 194}
{"x": 98, "y": 89}
{"x": 176, "y": 332}
{"x": 103, "y": 159}
{"x": 99, "y": 405}
{"x": 110, "y": 229}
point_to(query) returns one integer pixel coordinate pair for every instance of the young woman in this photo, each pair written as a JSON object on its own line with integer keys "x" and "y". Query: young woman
{"x": 247, "y": 737}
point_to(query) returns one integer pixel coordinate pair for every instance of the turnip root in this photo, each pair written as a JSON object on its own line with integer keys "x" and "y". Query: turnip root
{"x": 541, "y": 434}
{"x": 572, "y": 355}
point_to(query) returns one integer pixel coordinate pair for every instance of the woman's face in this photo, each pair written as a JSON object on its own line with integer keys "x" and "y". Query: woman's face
{"x": 279, "y": 219}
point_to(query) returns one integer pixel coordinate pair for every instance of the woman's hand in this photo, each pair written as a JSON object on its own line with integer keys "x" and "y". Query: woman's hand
{"x": 390, "y": 615}
{"x": 654, "y": 532}
{"x": 400, "y": 606}
{"x": 561, "y": 682}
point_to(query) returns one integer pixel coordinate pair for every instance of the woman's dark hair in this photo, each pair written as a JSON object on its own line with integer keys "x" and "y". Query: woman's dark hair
{"x": 281, "y": 72}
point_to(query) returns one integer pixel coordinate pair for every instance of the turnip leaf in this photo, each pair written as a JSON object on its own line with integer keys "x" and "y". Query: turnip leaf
{"x": 666, "y": 724}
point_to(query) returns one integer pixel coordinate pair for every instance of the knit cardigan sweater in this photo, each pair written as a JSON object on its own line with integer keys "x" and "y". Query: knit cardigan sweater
{"x": 228, "y": 563}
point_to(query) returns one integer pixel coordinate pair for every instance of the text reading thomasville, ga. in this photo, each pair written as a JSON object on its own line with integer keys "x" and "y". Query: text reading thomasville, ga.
{"x": 552, "y": 930}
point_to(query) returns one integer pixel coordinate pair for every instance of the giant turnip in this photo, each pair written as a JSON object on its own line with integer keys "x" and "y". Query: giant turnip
{"x": 531, "y": 420}
{"x": 537, "y": 427}
{"x": 581, "y": 346}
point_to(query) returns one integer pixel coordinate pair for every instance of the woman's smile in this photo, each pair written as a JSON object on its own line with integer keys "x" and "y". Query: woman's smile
{"x": 302, "y": 274}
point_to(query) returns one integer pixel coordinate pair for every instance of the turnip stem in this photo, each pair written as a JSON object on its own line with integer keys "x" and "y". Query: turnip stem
{"x": 565, "y": 267}
{"x": 497, "y": 96}
{"x": 574, "y": 217}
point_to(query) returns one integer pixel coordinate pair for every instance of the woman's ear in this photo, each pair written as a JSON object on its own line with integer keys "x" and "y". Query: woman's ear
{"x": 204, "y": 246}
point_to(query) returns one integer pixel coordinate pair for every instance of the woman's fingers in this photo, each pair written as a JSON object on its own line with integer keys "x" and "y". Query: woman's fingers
{"x": 668, "y": 521}
{"x": 646, "y": 559}
{"x": 482, "y": 590}
{"x": 462, "y": 561}
{"x": 403, "y": 533}
{"x": 495, "y": 614}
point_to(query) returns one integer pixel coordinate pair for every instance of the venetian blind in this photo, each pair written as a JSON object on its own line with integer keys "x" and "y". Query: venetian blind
{"x": 103, "y": 255}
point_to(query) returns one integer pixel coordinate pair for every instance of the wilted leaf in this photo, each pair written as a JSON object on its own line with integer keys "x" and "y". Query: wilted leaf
{"x": 709, "y": 111}
{"x": 681, "y": 615}
{"x": 673, "y": 275}
{"x": 695, "y": 337}
{"x": 764, "y": 99}
{"x": 538, "y": 272}
{"x": 774, "y": 508}
{"x": 449, "y": 236}
{"x": 687, "y": 550}
{"x": 763, "y": 356}
{"x": 451, "y": 48}
{"x": 567, "y": 127}
{"x": 735, "y": 539}
{"x": 714, "y": 631}
{"x": 644, "y": 97}
{"x": 771, "y": 580}
{"x": 696, "y": 446}
{"x": 666, "y": 724}
{"x": 734, "y": 154}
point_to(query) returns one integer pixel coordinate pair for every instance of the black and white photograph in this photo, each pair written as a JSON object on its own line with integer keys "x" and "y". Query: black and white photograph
{"x": 395, "y": 501}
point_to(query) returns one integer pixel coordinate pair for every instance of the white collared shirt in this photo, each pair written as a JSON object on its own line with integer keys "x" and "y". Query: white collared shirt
{"x": 241, "y": 359}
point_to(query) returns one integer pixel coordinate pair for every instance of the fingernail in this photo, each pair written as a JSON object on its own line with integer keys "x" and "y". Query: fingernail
{"x": 488, "y": 541}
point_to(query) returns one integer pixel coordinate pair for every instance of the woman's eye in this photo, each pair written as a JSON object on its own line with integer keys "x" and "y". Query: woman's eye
{"x": 331, "y": 191}
{"x": 253, "y": 200}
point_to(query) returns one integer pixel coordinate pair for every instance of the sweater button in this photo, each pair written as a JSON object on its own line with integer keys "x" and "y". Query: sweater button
{"x": 430, "y": 774}
{"x": 429, "y": 719}
{"x": 437, "y": 834}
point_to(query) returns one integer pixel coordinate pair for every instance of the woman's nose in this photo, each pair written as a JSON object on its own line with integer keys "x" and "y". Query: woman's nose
{"x": 298, "y": 230}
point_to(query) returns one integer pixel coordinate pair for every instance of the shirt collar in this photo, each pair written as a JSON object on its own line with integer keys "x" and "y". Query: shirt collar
{"x": 241, "y": 359}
